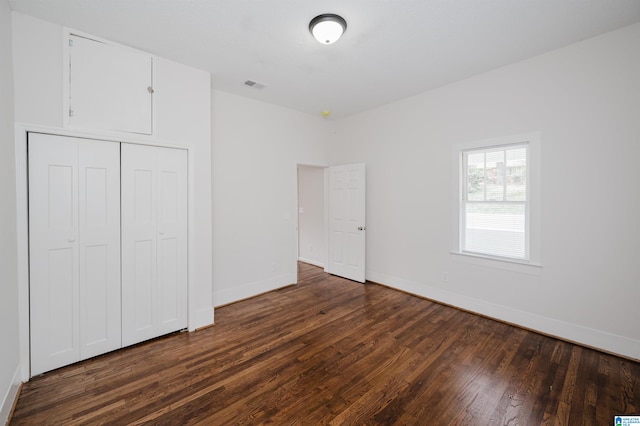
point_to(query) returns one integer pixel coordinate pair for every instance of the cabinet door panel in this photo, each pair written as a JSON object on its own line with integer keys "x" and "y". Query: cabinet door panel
{"x": 108, "y": 86}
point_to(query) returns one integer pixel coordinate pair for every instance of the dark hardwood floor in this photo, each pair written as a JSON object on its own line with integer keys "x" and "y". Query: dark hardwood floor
{"x": 331, "y": 351}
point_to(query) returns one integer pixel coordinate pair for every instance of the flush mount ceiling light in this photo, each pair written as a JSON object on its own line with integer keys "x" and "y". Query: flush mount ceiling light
{"x": 327, "y": 28}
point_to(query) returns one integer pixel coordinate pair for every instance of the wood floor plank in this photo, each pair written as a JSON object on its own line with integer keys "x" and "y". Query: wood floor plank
{"x": 331, "y": 351}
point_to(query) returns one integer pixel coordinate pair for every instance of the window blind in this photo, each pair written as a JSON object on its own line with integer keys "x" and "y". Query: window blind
{"x": 494, "y": 207}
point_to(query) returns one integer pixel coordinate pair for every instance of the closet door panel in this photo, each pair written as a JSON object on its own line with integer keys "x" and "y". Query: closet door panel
{"x": 154, "y": 238}
{"x": 143, "y": 296}
{"x": 53, "y": 233}
{"x": 99, "y": 225}
{"x": 139, "y": 242}
{"x": 172, "y": 236}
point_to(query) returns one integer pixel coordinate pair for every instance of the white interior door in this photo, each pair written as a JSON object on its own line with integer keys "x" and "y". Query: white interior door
{"x": 74, "y": 286}
{"x": 347, "y": 221}
{"x": 154, "y": 242}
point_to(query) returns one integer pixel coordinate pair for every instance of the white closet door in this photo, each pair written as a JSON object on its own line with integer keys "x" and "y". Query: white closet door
{"x": 154, "y": 242}
{"x": 99, "y": 242}
{"x": 172, "y": 239}
{"x": 74, "y": 249}
{"x": 53, "y": 234}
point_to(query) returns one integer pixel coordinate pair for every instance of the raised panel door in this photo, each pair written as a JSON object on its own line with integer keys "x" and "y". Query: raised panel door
{"x": 154, "y": 241}
{"x": 53, "y": 234}
{"x": 347, "y": 186}
{"x": 99, "y": 247}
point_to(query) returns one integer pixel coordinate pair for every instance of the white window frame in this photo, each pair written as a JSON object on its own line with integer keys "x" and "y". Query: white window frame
{"x": 532, "y": 263}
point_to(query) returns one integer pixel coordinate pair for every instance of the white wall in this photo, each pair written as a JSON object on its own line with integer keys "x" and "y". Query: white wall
{"x": 584, "y": 101}
{"x": 9, "y": 349}
{"x": 256, "y": 148}
{"x": 37, "y": 58}
{"x": 182, "y": 118}
{"x": 311, "y": 232}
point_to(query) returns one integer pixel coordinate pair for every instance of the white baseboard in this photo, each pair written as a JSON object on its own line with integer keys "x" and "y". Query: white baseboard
{"x": 598, "y": 339}
{"x": 311, "y": 262}
{"x": 245, "y": 291}
{"x": 203, "y": 317}
{"x": 10, "y": 396}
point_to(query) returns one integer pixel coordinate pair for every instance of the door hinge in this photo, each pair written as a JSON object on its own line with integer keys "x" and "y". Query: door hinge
{"x": 70, "y": 112}
{"x": 71, "y": 42}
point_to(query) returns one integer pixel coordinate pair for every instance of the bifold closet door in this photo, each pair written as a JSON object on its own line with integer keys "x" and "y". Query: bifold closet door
{"x": 154, "y": 242}
{"x": 74, "y": 243}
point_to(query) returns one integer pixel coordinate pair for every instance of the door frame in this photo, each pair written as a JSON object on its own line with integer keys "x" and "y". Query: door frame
{"x": 22, "y": 225}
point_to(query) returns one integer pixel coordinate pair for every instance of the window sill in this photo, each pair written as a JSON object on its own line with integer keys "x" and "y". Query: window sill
{"x": 497, "y": 263}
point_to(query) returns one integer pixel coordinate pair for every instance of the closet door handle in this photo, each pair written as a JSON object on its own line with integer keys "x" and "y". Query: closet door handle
{"x": 71, "y": 239}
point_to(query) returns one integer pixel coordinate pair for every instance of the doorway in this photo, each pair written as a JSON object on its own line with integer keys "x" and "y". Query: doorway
{"x": 312, "y": 241}
{"x": 331, "y": 219}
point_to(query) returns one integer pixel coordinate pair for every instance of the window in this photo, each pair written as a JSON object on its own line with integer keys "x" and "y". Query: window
{"x": 494, "y": 202}
{"x": 497, "y": 196}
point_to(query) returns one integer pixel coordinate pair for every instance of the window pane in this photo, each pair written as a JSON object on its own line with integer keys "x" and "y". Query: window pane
{"x": 475, "y": 177}
{"x": 495, "y": 176}
{"x": 516, "y": 174}
{"x": 495, "y": 229}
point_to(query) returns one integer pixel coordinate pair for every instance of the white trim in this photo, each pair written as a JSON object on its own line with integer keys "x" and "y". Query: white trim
{"x": 571, "y": 332}
{"x": 311, "y": 262}
{"x": 22, "y": 235}
{"x": 496, "y": 263}
{"x": 200, "y": 318}
{"x": 196, "y": 317}
{"x": 10, "y": 396}
{"x": 534, "y": 167}
{"x": 247, "y": 290}
{"x": 327, "y": 253}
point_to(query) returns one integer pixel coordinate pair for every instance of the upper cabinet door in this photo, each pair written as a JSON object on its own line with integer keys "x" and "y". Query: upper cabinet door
{"x": 110, "y": 87}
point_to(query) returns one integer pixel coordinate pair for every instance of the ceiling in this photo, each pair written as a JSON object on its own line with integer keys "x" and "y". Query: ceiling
{"x": 391, "y": 49}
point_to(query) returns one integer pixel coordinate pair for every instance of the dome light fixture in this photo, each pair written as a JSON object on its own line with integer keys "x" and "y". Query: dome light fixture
{"x": 327, "y": 28}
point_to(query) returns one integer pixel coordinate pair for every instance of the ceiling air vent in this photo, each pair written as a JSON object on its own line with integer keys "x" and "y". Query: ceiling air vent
{"x": 255, "y": 84}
